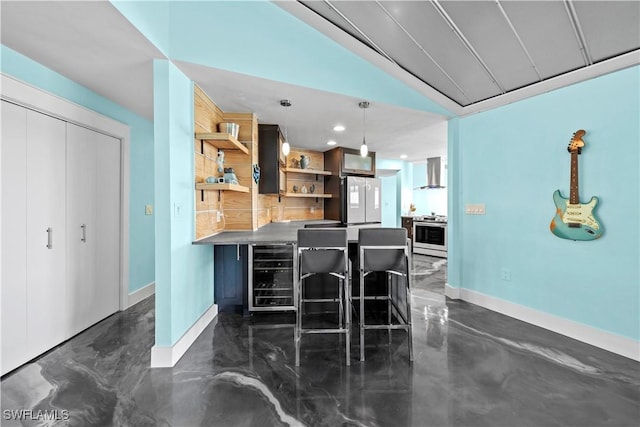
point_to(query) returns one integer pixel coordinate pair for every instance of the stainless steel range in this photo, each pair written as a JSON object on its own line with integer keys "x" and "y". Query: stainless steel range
{"x": 430, "y": 235}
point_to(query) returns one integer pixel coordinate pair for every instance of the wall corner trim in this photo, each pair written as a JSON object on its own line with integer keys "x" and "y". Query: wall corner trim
{"x": 168, "y": 356}
{"x": 141, "y": 294}
{"x": 617, "y": 344}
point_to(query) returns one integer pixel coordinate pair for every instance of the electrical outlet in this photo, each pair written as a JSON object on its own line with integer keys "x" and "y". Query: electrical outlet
{"x": 474, "y": 209}
{"x": 148, "y": 209}
{"x": 505, "y": 273}
{"x": 312, "y": 209}
{"x": 218, "y": 216}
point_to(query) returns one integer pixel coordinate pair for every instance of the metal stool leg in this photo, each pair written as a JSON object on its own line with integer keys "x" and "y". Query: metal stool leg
{"x": 347, "y": 321}
{"x": 408, "y": 296}
{"x": 298, "y": 325}
{"x": 362, "y": 323}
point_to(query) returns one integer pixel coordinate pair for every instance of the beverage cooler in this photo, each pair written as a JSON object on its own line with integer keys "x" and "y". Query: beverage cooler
{"x": 271, "y": 277}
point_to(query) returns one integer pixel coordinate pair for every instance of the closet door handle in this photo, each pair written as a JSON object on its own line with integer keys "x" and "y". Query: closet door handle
{"x": 237, "y": 252}
{"x": 84, "y": 233}
{"x": 49, "y": 238}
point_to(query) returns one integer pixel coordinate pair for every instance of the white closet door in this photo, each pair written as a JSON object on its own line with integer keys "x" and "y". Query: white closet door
{"x": 93, "y": 227}
{"x": 14, "y": 229}
{"x": 82, "y": 228}
{"x": 108, "y": 220}
{"x": 45, "y": 232}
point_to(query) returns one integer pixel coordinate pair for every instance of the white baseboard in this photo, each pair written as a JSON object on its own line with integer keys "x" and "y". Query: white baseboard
{"x": 617, "y": 344}
{"x": 141, "y": 294}
{"x": 168, "y": 356}
{"x": 451, "y": 292}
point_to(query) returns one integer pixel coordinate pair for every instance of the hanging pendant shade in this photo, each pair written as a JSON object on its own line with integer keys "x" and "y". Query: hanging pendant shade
{"x": 286, "y": 148}
{"x": 364, "y": 150}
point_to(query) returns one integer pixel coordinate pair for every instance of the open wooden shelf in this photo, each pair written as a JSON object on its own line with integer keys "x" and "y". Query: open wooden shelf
{"x": 222, "y": 187}
{"x": 309, "y": 171}
{"x": 223, "y": 141}
{"x": 310, "y": 195}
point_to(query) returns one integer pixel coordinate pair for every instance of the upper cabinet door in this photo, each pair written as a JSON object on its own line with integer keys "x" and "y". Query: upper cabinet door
{"x": 269, "y": 158}
{"x": 46, "y": 232}
{"x": 14, "y": 245}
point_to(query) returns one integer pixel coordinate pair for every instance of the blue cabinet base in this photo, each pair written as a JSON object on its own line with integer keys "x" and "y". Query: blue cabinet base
{"x": 230, "y": 278}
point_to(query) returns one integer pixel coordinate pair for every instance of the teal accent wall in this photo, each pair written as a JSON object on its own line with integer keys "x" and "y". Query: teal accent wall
{"x": 389, "y": 200}
{"x": 512, "y": 159}
{"x": 184, "y": 272}
{"x": 141, "y": 226}
{"x": 454, "y": 205}
{"x": 261, "y": 39}
{"x": 403, "y": 184}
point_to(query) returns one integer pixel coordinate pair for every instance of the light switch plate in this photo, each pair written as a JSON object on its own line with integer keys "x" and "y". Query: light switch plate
{"x": 177, "y": 210}
{"x": 474, "y": 209}
{"x": 148, "y": 209}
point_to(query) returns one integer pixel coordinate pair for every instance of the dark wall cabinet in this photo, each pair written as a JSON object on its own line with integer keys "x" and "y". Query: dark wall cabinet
{"x": 270, "y": 158}
{"x": 230, "y": 277}
{"x": 347, "y": 161}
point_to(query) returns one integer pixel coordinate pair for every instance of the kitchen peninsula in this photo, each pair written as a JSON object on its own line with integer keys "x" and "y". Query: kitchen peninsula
{"x": 251, "y": 200}
{"x": 255, "y": 270}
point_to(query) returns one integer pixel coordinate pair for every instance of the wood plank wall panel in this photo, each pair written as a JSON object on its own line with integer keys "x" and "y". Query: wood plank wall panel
{"x": 206, "y": 116}
{"x": 241, "y": 209}
{"x": 304, "y": 208}
{"x": 237, "y": 208}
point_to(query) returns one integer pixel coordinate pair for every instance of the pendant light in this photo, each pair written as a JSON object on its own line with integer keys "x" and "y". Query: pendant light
{"x": 363, "y": 148}
{"x": 286, "y": 148}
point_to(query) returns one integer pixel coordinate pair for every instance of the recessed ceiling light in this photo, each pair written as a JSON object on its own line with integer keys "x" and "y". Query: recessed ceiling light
{"x": 403, "y": 156}
{"x": 332, "y": 142}
{"x": 338, "y": 128}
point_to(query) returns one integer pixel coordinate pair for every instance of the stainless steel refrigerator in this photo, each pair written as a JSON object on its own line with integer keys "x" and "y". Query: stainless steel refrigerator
{"x": 361, "y": 200}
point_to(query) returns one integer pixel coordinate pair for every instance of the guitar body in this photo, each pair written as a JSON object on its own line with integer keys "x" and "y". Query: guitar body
{"x": 575, "y": 221}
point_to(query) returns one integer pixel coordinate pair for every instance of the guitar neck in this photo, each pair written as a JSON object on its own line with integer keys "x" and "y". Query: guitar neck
{"x": 574, "y": 198}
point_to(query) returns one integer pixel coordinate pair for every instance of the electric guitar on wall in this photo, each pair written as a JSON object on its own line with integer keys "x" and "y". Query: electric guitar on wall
{"x": 574, "y": 220}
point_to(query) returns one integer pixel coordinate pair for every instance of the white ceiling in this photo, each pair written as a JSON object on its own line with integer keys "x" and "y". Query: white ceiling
{"x": 390, "y": 130}
{"x": 91, "y": 43}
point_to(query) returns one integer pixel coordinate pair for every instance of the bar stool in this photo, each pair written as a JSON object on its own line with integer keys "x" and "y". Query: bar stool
{"x": 324, "y": 251}
{"x": 385, "y": 250}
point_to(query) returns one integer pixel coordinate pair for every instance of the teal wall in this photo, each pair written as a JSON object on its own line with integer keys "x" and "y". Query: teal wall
{"x": 403, "y": 186}
{"x": 389, "y": 201}
{"x": 261, "y": 39}
{"x": 512, "y": 159}
{"x": 184, "y": 272}
{"x": 141, "y": 226}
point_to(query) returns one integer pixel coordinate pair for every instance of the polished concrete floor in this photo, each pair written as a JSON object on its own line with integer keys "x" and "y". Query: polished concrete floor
{"x": 472, "y": 367}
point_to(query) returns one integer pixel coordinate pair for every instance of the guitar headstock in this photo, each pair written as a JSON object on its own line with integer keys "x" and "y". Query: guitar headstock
{"x": 576, "y": 143}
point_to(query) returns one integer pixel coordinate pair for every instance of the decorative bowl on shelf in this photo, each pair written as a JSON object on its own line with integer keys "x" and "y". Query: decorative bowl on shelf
{"x": 230, "y": 128}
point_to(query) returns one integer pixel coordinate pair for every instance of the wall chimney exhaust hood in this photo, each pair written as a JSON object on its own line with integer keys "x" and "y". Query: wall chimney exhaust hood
{"x": 436, "y": 174}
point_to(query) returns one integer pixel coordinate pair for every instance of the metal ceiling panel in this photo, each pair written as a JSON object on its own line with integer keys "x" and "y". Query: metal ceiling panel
{"x": 431, "y": 32}
{"x": 487, "y": 30}
{"x": 610, "y": 27}
{"x": 455, "y": 73}
{"x": 546, "y": 31}
{"x": 330, "y": 14}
